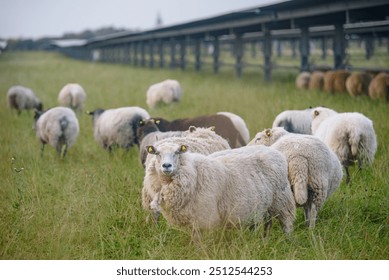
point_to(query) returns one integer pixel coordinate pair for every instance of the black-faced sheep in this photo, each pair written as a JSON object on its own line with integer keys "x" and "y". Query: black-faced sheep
{"x": 227, "y": 188}
{"x": 296, "y": 121}
{"x": 57, "y": 127}
{"x": 350, "y": 136}
{"x": 167, "y": 91}
{"x": 223, "y": 127}
{"x": 314, "y": 171}
{"x": 117, "y": 127}
{"x": 72, "y": 96}
{"x": 379, "y": 87}
{"x": 23, "y": 98}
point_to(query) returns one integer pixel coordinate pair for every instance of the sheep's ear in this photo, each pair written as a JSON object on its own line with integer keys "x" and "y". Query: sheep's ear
{"x": 192, "y": 128}
{"x": 213, "y": 128}
{"x": 316, "y": 113}
{"x": 183, "y": 149}
{"x": 151, "y": 150}
{"x": 268, "y": 132}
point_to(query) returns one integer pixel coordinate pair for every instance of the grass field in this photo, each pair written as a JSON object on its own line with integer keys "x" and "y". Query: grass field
{"x": 88, "y": 205}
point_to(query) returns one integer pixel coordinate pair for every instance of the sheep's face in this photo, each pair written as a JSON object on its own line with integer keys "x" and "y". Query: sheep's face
{"x": 167, "y": 157}
{"x": 268, "y": 136}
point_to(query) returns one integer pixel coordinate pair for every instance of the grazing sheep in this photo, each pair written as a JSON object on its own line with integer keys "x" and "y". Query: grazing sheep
{"x": 72, "y": 96}
{"x": 167, "y": 91}
{"x": 22, "y": 98}
{"x": 117, "y": 127}
{"x": 358, "y": 84}
{"x": 314, "y": 171}
{"x": 350, "y": 135}
{"x": 57, "y": 127}
{"x": 231, "y": 187}
{"x": 316, "y": 81}
{"x": 379, "y": 87}
{"x": 296, "y": 121}
{"x": 302, "y": 80}
{"x": 239, "y": 124}
{"x": 335, "y": 81}
{"x": 223, "y": 127}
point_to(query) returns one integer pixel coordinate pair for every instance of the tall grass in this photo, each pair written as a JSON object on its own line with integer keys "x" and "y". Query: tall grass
{"x": 88, "y": 205}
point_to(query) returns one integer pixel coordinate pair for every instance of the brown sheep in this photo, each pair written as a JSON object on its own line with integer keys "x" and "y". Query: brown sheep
{"x": 379, "y": 87}
{"x": 317, "y": 80}
{"x": 328, "y": 81}
{"x": 302, "y": 80}
{"x": 358, "y": 84}
{"x": 223, "y": 127}
{"x": 335, "y": 81}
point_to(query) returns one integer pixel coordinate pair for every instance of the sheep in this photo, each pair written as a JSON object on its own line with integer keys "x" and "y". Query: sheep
{"x": 117, "y": 127}
{"x": 357, "y": 84}
{"x": 350, "y": 135}
{"x": 57, "y": 127}
{"x": 72, "y": 96}
{"x": 314, "y": 171}
{"x": 296, "y": 121}
{"x": 239, "y": 124}
{"x": 335, "y": 81}
{"x": 226, "y": 188}
{"x": 167, "y": 91}
{"x": 302, "y": 80}
{"x": 224, "y": 127}
{"x": 22, "y": 98}
{"x": 148, "y": 133}
{"x": 379, "y": 87}
{"x": 316, "y": 81}
{"x": 201, "y": 140}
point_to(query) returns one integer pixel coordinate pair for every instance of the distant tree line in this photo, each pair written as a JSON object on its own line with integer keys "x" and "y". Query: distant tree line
{"x": 45, "y": 43}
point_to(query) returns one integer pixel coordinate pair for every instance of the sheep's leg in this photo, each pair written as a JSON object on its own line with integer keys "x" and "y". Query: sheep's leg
{"x": 42, "y": 149}
{"x": 268, "y": 225}
{"x": 312, "y": 216}
{"x": 347, "y": 175}
{"x": 307, "y": 213}
{"x": 65, "y": 149}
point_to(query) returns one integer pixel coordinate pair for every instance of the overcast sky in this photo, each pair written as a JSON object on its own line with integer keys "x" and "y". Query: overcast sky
{"x": 41, "y": 18}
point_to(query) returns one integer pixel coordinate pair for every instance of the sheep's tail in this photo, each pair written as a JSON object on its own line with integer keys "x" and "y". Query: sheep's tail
{"x": 361, "y": 145}
{"x": 62, "y": 141}
{"x": 300, "y": 181}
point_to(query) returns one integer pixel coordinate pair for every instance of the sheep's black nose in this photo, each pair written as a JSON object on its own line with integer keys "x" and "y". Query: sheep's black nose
{"x": 166, "y": 165}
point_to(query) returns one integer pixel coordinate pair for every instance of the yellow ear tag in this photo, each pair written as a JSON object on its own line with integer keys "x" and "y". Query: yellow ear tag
{"x": 157, "y": 121}
{"x": 213, "y": 128}
{"x": 150, "y": 149}
{"x": 183, "y": 148}
{"x": 268, "y": 132}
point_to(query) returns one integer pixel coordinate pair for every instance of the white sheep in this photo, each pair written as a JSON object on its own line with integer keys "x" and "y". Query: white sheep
{"x": 117, "y": 127}
{"x": 350, "y": 135}
{"x": 22, "y": 98}
{"x": 57, "y": 127}
{"x": 228, "y": 188}
{"x": 200, "y": 140}
{"x": 167, "y": 91}
{"x": 239, "y": 124}
{"x": 314, "y": 171}
{"x": 302, "y": 80}
{"x": 72, "y": 96}
{"x": 296, "y": 121}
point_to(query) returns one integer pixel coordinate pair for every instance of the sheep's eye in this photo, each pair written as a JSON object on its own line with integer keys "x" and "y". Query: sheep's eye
{"x": 258, "y": 139}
